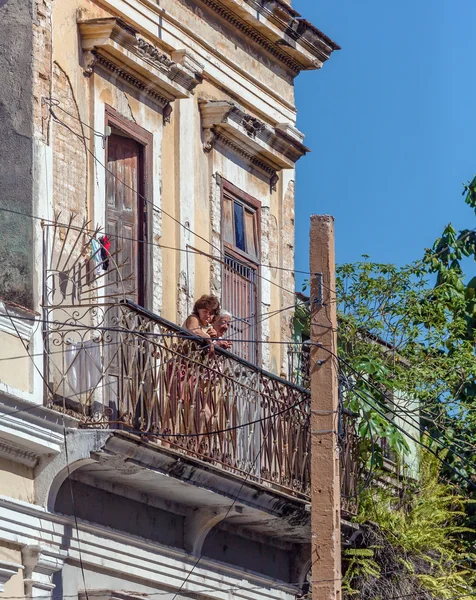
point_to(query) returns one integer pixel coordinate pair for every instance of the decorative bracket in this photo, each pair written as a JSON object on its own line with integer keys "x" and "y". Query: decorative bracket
{"x": 198, "y": 526}
{"x": 114, "y": 45}
{"x": 265, "y": 148}
{"x": 40, "y": 564}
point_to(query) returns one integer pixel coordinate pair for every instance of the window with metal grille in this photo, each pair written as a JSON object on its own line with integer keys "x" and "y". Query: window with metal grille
{"x": 240, "y": 234}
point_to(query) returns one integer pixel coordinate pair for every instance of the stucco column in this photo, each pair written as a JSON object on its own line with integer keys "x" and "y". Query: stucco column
{"x": 325, "y": 479}
{"x": 40, "y": 564}
{"x": 186, "y": 177}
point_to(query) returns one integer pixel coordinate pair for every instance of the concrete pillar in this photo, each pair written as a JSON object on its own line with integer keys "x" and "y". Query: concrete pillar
{"x": 325, "y": 479}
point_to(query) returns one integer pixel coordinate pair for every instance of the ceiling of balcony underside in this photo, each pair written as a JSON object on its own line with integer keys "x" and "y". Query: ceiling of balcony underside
{"x": 180, "y": 484}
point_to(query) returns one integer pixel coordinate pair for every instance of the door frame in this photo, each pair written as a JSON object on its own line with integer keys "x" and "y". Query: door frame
{"x": 235, "y": 253}
{"x": 145, "y": 221}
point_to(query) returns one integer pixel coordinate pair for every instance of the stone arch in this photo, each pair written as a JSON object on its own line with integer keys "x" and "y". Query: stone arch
{"x": 52, "y": 473}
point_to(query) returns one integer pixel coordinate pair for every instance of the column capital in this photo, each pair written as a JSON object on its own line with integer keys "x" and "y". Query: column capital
{"x": 40, "y": 564}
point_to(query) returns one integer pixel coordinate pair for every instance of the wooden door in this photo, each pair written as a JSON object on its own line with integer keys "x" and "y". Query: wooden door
{"x": 125, "y": 226}
{"x": 125, "y": 217}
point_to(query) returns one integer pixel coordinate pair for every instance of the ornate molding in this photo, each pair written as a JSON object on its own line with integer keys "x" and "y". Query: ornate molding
{"x": 266, "y": 148}
{"x": 130, "y": 79}
{"x": 114, "y": 45}
{"x": 16, "y": 453}
{"x": 254, "y": 34}
{"x": 252, "y": 125}
{"x": 7, "y": 571}
{"x": 227, "y": 142}
{"x": 148, "y": 50}
{"x": 306, "y": 46}
{"x": 40, "y": 565}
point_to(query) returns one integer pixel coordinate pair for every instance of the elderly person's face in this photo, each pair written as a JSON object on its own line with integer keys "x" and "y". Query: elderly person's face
{"x": 221, "y": 324}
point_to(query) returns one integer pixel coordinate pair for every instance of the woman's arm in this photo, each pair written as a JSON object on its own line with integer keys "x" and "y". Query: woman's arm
{"x": 193, "y": 325}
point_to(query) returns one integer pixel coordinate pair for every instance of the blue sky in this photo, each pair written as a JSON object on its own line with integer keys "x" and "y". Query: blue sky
{"x": 391, "y": 121}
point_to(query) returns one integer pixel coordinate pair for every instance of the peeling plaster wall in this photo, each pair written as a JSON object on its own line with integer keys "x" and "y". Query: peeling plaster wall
{"x": 16, "y": 480}
{"x": 11, "y": 553}
{"x": 70, "y": 174}
{"x": 15, "y": 373}
{"x": 16, "y": 156}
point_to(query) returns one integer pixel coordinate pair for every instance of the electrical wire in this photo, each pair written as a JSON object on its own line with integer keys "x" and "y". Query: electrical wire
{"x": 185, "y": 435}
{"x": 417, "y": 441}
{"x": 214, "y": 532}
{"x": 414, "y": 423}
{"x": 153, "y": 244}
{"x": 372, "y": 403}
{"x": 188, "y": 576}
{"x": 73, "y": 506}
{"x": 266, "y": 316}
{"x": 100, "y": 593}
{"x": 151, "y": 334}
{"x": 160, "y": 210}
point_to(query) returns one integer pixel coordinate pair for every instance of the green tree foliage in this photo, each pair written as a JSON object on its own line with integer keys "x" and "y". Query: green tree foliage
{"x": 398, "y": 336}
{"x": 407, "y": 340}
{"x": 412, "y": 546}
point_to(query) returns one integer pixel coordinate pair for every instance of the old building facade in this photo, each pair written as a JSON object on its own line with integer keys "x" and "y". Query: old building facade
{"x": 149, "y": 157}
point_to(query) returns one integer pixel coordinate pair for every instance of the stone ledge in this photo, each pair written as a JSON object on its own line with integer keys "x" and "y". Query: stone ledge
{"x": 114, "y": 45}
{"x": 276, "y": 26}
{"x": 265, "y": 148}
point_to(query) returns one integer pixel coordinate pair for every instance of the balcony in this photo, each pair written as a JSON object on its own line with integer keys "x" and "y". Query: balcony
{"x": 137, "y": 372}
{"x": 113, "y": 365}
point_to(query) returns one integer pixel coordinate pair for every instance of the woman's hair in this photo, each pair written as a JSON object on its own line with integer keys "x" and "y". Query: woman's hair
{"x": 207, "y": 301}
{"x": 223, "y": 313}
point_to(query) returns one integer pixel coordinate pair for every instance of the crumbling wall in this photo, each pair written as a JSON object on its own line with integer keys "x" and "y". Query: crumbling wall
{"x": 16, "y": 154}
{"x": 69, "y": 150}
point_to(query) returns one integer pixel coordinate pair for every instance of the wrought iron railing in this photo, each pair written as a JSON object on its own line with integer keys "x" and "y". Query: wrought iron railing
{"x": 350, "y": 465}
{"x": 117, "y": 365}
{"x": 112, "y": 364}
{"x": 299, "y": 356}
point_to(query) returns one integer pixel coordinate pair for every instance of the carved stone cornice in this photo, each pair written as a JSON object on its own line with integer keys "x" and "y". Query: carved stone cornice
{"x": 262, "y": 146}
{"x": 254, "y": 34}
{"x": 240, "y": 150}
{"x": 115, "y": 46}
{"x": 108, "y": 65}
{"x": 16, "y": 453}
{"x": 276, "y": 27}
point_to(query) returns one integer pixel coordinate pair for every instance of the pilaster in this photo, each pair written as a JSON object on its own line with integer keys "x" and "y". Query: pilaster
{"x": 40, "y": 565}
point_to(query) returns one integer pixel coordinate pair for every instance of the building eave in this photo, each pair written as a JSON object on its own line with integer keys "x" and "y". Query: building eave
{"x": 278, "y": 28}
